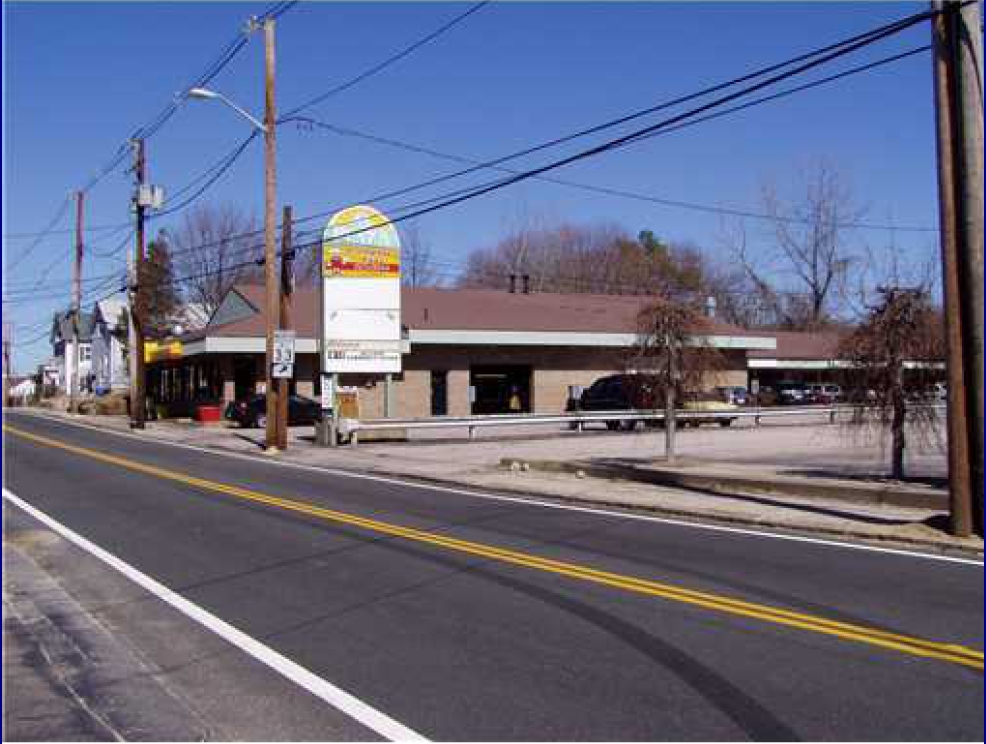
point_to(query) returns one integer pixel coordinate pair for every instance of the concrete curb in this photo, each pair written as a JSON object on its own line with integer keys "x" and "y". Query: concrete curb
{"x": 945, "y": 546}
{"x": 729, "y": 485}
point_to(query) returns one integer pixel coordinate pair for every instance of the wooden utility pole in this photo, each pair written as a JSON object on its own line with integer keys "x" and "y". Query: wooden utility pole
{"x": 959, "y": 122}
{"x": 270, "y": 219}
{"x": 8, "y": 340}
{"x": 75, "y": 379}
{"x": 968, "y": 50}
{"x": 138, "y": 402}
{"x": 287, "y": 288}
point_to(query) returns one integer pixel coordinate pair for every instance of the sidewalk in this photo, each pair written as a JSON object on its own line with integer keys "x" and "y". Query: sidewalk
{"x": 803, "y": 479}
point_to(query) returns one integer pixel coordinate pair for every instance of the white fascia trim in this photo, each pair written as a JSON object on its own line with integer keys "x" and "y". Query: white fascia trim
{"x": 252, "y": 345}
{"x": 256, "y": 344}
{"x": 796, "y": 364}
{"x": 249, "y": 345}
{"x": 826, "y": 364}
{"x": 567, "y": 338}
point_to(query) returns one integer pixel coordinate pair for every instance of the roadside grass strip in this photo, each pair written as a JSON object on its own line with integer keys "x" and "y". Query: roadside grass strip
{"x": 954, "y": 653}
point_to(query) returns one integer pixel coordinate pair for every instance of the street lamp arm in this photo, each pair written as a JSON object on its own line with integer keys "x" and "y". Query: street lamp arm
{"x": 207, "y": 95}
{"x": 246, "y": 115}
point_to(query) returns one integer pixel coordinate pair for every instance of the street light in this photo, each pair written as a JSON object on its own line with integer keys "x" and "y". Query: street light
{"x": 272, "y": 286}
{"x": 204, "y": 94}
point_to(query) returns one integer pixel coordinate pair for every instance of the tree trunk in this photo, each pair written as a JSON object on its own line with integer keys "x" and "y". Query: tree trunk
{"x": 897, "y": 433}
{"x": 669, "y": 424}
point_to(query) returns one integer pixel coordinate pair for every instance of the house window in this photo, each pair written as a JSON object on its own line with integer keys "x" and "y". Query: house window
{"x": 85, "y": 352}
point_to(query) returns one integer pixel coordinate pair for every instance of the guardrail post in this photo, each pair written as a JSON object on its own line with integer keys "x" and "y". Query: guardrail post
{"x": 354, "y": 438}
{"x": 472, "y": 432}
{"x": 832, "y": 416}
{"x": 580, "y": 426}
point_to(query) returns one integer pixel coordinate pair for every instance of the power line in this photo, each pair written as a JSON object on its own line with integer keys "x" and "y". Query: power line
{"x": 220, "y": 169}
{"x": 482, "y": 189}
{"x": 708, "y": 90}
{"x": 448, "y": 199}
{"x": 227, "y": 161}
{"x": 349, "y": 132}
{"x": 59, "y": 214}
{"x": 379, "y": 67}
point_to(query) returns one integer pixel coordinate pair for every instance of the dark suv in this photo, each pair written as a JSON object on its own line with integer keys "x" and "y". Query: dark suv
{"x": 621, "y": 393}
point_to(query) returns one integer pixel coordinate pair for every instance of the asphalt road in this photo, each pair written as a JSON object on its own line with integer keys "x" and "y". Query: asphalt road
{"x": 468, "y": 618}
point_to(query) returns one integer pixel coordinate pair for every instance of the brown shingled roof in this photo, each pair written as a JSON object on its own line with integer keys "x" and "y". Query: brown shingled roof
{"x": 474, "y": 310}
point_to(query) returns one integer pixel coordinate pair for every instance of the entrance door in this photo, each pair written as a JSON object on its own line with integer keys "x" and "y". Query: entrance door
{"x": 501, "y": 388}
{"x": 244, "y": 377}
{"x": 439, "y": 392}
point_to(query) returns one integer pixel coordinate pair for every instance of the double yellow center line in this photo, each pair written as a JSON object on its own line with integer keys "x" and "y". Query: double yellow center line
{"x": 954, "y": 653}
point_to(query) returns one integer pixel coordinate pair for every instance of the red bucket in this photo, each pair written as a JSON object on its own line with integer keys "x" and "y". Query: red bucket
{"x": 209, "y": 414}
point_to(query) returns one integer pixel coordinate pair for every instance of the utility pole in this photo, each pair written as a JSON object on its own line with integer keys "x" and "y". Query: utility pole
{"x": 959, "y": 126}
{"x": 138, "y": 403}
{"x": 270, "y": 205}
{"x": 8, "y": 340}
{"x": 287, "y": 289}
{"x": 968, "y": 50}
{"x": 75, "y": 379}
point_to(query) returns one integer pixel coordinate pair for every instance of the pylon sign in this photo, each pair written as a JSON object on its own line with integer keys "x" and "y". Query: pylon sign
{"x": 361, "y": 293}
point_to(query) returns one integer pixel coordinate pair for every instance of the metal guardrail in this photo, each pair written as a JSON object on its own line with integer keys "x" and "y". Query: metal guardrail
{"x": 352, "y": 427}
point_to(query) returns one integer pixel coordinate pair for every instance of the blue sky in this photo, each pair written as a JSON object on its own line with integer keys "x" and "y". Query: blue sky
{"x": 80, "y": 77}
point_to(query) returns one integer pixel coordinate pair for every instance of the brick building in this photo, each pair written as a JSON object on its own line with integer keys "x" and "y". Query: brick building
{"x": 464, "y": 351}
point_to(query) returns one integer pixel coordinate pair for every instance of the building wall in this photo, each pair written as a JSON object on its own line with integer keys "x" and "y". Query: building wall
{"x": 554, "y": 370}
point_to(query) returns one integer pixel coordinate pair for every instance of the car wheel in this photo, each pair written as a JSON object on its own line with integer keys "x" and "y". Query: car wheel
{"x": 612, "y": 425}
{"x": 725, "y": 423}
{"x": 628, "y": 425}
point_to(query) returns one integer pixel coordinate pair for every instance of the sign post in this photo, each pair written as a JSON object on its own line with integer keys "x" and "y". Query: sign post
{"x": 360, "y": 304}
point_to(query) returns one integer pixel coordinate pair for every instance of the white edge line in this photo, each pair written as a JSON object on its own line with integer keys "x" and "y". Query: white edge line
{"x": 528, "y": 501}
{"x": 320, "y": 688}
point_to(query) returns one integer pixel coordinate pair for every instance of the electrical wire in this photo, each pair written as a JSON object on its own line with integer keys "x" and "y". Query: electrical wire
{"x": 349, "y": 132}
{"x": 463, "y": 195}
{"x": 379, "y": 67}
{"x": 59, "y": 215}
{"x": 228, "y": 160}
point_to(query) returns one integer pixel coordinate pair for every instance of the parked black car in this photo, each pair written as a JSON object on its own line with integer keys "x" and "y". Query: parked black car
{"x": 621, "y": 393}
{"x": 252, "y": 411}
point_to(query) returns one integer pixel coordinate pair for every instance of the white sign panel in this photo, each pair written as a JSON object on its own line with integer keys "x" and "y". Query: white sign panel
{"x": 282, "y": 365}
{"x": 361, "y": 293}
{"x": 284, "y": 347}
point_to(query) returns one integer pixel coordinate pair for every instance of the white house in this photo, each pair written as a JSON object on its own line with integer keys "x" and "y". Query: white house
{"x": 109, "y": 345}
{"x": 63, "y": 349}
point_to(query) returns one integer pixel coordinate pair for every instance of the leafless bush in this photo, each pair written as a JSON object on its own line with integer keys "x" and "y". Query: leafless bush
{"x": 891, "y": 363}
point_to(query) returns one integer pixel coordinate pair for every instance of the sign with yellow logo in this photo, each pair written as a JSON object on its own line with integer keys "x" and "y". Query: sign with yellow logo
{"x": 361, "y": 293}
{"x": 155, "y": 351}
{"x": 360, "y": 243}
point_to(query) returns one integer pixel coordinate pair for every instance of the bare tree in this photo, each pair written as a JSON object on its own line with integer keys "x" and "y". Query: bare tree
{"x": 671, "y": 349}
{"x": 417, "y": 267}
{"x": 810, "y": 256}
{"x": 903, "y": 329}
{"x": 215, "y": 247}
{"x": 600, "y": 259}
